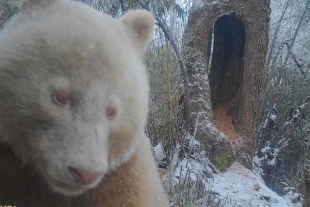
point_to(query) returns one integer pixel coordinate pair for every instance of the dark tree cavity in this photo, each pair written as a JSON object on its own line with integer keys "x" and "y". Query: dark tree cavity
{"x": 227, "y": 66}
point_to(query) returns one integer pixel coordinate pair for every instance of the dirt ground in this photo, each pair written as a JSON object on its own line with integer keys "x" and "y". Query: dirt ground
{"x": 223, "y": 121}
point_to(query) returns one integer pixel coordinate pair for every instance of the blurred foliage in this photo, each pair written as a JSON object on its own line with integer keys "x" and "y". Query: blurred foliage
{"x": 7, "y": 9}
{"x": 159, "y": 8}
{"x": 285, "y": 87}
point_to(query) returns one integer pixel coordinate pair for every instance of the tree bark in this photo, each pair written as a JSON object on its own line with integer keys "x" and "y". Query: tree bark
{"x": 306, "y": 202}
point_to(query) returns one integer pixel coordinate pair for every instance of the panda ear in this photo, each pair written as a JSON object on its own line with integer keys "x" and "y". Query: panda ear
{"x": 140, "y": 26}
{"x": 29, "y": 4}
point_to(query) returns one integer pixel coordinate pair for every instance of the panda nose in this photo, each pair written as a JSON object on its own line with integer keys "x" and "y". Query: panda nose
{"x": 83, "y": 176}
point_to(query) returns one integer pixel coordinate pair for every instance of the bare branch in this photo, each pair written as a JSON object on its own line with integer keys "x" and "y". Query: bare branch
{"x": 275, "y": 36}
{"x": 186, "y": 102}
{"x": 296, "y": 32}
{"x": 289, "y": 126}
{"x": 300, "y": 66}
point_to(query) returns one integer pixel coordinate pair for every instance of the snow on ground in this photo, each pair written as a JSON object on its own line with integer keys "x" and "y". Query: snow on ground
{"x": 245, "y": 189}
{"x": 239, "y": 186}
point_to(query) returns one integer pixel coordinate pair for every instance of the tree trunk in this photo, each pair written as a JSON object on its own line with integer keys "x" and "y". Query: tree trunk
{"x": 306, "y": 202}
{"x": 237, "y": 64}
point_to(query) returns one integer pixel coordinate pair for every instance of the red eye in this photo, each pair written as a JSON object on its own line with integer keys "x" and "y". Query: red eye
{"x": 60, "y": 99}
{"x": 111, "y": 113}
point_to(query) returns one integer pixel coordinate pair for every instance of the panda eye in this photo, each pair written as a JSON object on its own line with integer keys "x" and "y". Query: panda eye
{"x": 111, "y": 113}
{"x": 60, "y": 99}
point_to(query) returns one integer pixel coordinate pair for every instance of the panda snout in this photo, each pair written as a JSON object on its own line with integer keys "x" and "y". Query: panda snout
{"x": 83, "y": 176}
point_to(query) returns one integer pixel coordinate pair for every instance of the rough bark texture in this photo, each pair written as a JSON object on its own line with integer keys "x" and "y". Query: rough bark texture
{"x": 306, "y": 202}
{"x": 236, "y": 70}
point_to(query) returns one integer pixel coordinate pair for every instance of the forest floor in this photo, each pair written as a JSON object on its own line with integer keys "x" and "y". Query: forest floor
{"x": 237, "y": 187}
{"x": 197, "y": 183}
{"x": 241, "y": 187}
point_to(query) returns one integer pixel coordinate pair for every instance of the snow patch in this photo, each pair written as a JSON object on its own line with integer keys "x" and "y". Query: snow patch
{"x": 159, "y": 153}
{"x": 237, "y": 186}
{"x": 198, "y": 3}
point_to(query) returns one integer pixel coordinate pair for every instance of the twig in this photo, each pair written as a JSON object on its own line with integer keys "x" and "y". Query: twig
{"x": 295, "y": 34}
{"x": 300, "y": 66}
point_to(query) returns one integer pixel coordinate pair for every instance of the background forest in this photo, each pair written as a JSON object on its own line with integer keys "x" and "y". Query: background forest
{"x": 283, "y": 121}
